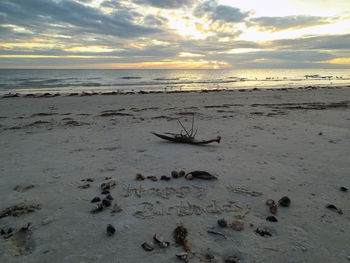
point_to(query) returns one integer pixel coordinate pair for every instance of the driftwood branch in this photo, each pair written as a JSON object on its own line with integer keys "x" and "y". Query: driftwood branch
{"x": 188, "y": 137}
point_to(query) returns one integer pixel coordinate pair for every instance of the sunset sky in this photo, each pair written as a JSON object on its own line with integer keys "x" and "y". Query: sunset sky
{"x": 175, "y": 34}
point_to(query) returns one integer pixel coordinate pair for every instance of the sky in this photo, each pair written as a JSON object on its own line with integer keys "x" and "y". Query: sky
{"x": 174, "y": 34}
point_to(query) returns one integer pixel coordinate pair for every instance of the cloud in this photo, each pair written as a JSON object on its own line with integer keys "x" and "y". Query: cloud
{"x": 154, "y": 20}
{"x": 273, "y": 59}
{"x": 39, "y": 15}
{"x": 111, "y": 4}
{"x": 125, "y": 31}
{"x": 214, "y": 12}
{"x": 167, "y": 4}
{"x": 287, "y": 22}
{"x": 329, "y": 42}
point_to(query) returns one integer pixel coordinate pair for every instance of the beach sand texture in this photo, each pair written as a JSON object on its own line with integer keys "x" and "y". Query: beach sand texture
{"x": 293, "y": 143}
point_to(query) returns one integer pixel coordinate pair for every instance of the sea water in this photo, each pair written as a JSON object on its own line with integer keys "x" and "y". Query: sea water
{"x": 25, "y": 81}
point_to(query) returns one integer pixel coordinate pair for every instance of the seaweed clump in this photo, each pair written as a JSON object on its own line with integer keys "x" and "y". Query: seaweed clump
{"x": 180, "y": 235}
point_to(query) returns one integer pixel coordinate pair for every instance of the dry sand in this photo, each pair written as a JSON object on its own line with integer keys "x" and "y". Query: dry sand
{"x": 293, "y": 143}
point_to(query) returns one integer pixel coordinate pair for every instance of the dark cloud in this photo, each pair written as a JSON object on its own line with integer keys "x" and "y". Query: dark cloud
{"x": 39, "y": 15}
{"x": 111, "y": 4}
{"x": 154, "y": 20}
{"x": 287, "y": 22}
{"x": 329, "y": 42}
{"x": 167, "y": 4}
{"x": 224, "y": 13}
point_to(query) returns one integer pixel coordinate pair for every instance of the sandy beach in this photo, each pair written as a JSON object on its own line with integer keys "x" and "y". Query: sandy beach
{"x": 56, "y": 152}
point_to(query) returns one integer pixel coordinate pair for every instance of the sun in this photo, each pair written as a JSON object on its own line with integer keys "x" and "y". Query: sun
{"x": 188, "y": 26}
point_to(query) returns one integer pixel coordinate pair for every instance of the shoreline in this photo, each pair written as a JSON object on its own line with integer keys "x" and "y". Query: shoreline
{"x": 141, "y": 92}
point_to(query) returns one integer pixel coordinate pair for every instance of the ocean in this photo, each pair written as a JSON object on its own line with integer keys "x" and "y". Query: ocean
{"x": 64, "y": 81}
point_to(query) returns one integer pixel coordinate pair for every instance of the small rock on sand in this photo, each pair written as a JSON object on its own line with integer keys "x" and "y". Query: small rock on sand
{"x": 222, "y": 222}
{"x": 174, "y": 174}
{"x": 263, "y": 232}
{"x": 238, "y": 225}
{"x": 343, "y": 189}
{"x": 106, "y": 202}
{"x": 109, "y": 185}
{"x": 284, "y": 201}
{"x": 140, "y": 177}
{"x": 116, "y": 208}
{"x": 109, "y": 197}
{"x": 271, "y": 219}
{"x": 95, "y": 199}
{"x": 231, "y": 259}
{"x": 148, "y": 246}
{"x": 110, "y": 230}
{"x": 273, "y": 209}
{"x": 85, "y": 186}
{"x": 47, "y": 220}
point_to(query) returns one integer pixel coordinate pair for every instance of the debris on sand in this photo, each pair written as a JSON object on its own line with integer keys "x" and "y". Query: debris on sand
{"x": 334, "y": 208}
{"x": 84, "y": 186}
{"x": 284, "y": 201}
{"x": 180, "y": 235}
{"x": 237, "y": 225}
{"x": 264, "y": 232}
{"x": 189, "y": 177}
{"x": 343, "y": 189}
{"x": 201, "y": 175}
{"x": 217, "y": 233}
{"x": 106, "y": 202}
{"x": 97, "y": 209}
{"x": 271, "y": 219}
{"x": 140, "y": 177}
{"x": 47, "y": 220}
{"x": 231, "y": 259}
{"x": 153, "y": 178}
{"x": 270, "y": 202}
{"x": 273, "y": 209}
{"x": 116, "y": 208}
{"x": 22, "y": 188}
{"x": 183, "y": 256}
{"x": 148, "y": 246}
{"x": 110, "y": 230}
{"x": 160, "y": 241}
{"x": 20, "y": 209}
{"x": 165, "y": 178}
{"x": 188, "y": 137}
{"x": 222, "y": 222}
{"x": 95, "y": 199}
{"x": 109, "y": 197}
{"x": 109, "y": 185}
{"x": 174, "y": 174}
{"x": 209, "y": 257}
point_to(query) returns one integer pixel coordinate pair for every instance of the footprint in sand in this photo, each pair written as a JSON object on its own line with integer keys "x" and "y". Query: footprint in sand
{"x": 20, "y": 242}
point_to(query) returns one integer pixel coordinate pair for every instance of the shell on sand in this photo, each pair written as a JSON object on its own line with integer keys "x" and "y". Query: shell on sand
{"x": 237, "y": 225}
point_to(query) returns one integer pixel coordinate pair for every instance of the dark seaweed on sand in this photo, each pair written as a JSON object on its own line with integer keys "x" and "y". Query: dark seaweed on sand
{"x": 180, "y": 234}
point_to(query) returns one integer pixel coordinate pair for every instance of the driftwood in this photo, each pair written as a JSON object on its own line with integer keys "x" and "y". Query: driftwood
{"x": 188, "y": 137}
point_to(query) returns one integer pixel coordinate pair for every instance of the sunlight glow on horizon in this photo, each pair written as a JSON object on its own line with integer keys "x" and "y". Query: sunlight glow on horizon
{"x": 94, "y": 49}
